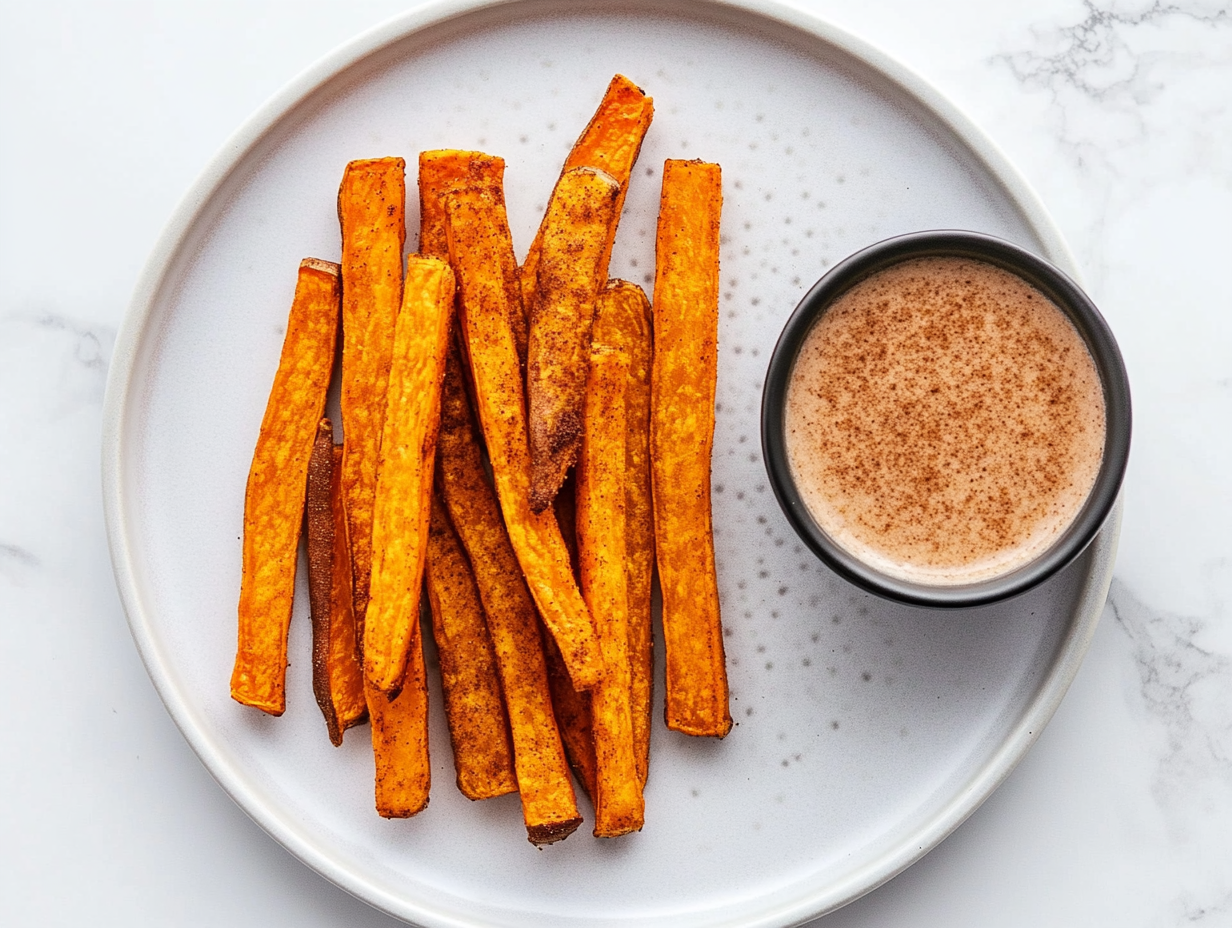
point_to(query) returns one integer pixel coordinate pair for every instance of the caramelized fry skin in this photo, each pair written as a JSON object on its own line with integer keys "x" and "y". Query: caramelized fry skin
{"x": 580, "y": 220}
{"x": 478, "y": 726}
{"x": 622, "y": 320}
{"x": 610, "y": 142}
{"x": 345, "y": 662}
{"x": 681, "y": 439}
{"x": 573, "y": 717}
{"x": 549, "y": 806}
{"x": 277, "y": 484}
{"x": 371, "y": 212}
{"x": 400, "y": 740}
{"x": 319, "y": 519}
{"x": 478, "y": 240}
{"x": 402, "y": 506}
{"x": 619, "y": 807}
{"x": 448, "y": 171}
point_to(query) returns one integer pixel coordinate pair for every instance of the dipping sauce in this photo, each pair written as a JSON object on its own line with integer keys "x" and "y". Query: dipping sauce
{"x": 945, "y": 421}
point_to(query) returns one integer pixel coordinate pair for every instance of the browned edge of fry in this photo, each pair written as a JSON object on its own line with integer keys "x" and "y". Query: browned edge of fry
{"x": 345, "y": 661}
{"x": 622, "y": 320}
{"x": 577, "y": 227}
{"x": 684, "y": 376}
{"x": 478, "y": 238}
{"x": 319, "y": 517}
{"x": 372, "y": 217}
{"x": 611, "y": 142}
{"x": 549, "y": 806}
{"x": 277, "y": 484}
{"x": 619, "y": 805}
{"x": 402, "y": 505}
{"x": 474, "y": 706}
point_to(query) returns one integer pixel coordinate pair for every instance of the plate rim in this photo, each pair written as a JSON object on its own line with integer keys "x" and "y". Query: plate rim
{"x": 161, "y": 264}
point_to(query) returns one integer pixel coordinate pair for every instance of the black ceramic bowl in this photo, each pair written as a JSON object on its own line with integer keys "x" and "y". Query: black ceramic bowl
{"x": 1090, "y": 325}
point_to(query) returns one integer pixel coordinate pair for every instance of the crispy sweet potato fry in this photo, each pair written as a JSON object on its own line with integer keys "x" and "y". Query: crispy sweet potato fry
{"x": 400, "y": 740}
{"x": 622, "y": 320}
{"x": 344, "y": 665}
{"x": 277, "y": 483}
{"x": 573, "y": 718}
{"x": 549, "y": 806}
{"x": 619, "y": 807}
{"x": 402, "y": 506}
{"x": 681, "y": 438}
{"x": 478, "y": 242}
{"x": 447, "y": 171}
{"x": 474, "y": 707}
{"x": 610, "y": 142}
{"x": 576, "y": 230}
{"x": 319, "y": 527}
{"x": 371, "y": 212}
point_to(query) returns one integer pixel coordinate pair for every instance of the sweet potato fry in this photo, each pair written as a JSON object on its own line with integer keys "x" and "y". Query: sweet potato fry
{"x": 277, "y": 483}
{"x": 400, "y": 740}
{"x": 447, "y": 171}
{"x": 371, "y": 212}
{"x": 337, "y": 665}
{"x": 402, "y": 505}
{"x": 478, "y": 243}
{"x": 474, "y": 707}
{"x": 610, "y": 142}
{"x": 681, "y": 438}
{"x": 549, "y": 806}
{"x": 619, "y": 807}
{"x": 622, "y": 320}
{"x": 576, "y": 230}
{"x": 337, "y": 680}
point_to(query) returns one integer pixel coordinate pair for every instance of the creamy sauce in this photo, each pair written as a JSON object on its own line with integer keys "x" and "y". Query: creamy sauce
{"x": 945, "y": 421}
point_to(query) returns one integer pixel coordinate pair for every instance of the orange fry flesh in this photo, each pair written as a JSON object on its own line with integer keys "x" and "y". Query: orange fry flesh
{"x": 622, "y": 320}
{"x": 478, "y": 726}
{"x": 277, "y": 485}
{"x": 573, "y": 718}
{"x": 619, "y": 806}
{"x": 371, "y": 212}
{"x": 400, "y": 740}
{"x": 478, "y": 243}
{"x": 448, "y": 171}
{"x": 577, "y": 228}
{"x": 402, "y": 505}
{"x": 610, "y": 142}
{"x": 681, "y": 438}
{"x": 549, "y": 806}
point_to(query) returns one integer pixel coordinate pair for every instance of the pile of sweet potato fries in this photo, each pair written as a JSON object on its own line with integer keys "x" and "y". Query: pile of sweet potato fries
{"x": 527, "y": 443}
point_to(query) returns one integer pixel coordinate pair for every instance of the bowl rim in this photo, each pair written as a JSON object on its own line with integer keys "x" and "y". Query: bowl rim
{"x": 1053, "y": 283}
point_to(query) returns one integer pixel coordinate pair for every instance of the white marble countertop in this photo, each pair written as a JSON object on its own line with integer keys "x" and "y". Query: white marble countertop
{"x": 1119, "y": 113}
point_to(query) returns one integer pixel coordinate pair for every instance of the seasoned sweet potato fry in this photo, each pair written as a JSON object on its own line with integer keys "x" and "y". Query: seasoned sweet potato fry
{"x": 337, "y": 680}
{"x": 619, "y": 808}
{"x": 344, "y": 666}
{"x": 681, "y": 438}
{"x": 447, "y": 171}
{"x": 610, "y": 142}
{"x": 402, "y": 505}
{"x": 371, "y": 212}
{"x": 549, "y": 806}
{"x": 277, "y": 483}
{"x": 622, "y": 320}
{"x": 478, "y": 243}
{"x": 400, "y": 740}
{"x": 572, "y": 716}
{"x": 474, "y": 707}
{"x": 576, "y": 230}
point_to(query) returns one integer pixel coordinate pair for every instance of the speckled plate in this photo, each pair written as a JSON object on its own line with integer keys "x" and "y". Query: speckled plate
{"x": 866, "y": 732}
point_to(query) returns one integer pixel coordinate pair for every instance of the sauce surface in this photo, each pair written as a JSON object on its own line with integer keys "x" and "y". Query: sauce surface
{"x": 945, "y": 421}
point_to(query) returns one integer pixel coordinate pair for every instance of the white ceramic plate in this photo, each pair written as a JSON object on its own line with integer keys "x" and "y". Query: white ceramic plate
{"x": 866, "y": 732}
